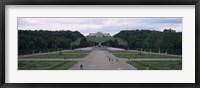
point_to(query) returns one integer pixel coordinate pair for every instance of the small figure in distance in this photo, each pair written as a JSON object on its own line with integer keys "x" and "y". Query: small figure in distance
{"x": 112, "y": 61}
{"x": 117, "y": 60}
{"x": 109, "y": 58}
{"x": 81, "y": 66}
{"x": 65, "y": 58}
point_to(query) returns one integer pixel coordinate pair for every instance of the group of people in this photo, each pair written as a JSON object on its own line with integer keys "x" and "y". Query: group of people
{"x": 112, "y": 60}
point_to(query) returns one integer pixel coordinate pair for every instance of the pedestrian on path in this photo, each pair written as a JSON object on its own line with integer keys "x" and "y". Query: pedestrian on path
{"x": 81, "y": 66}
{"x": 109, "y": 58}
{"x": 112, "y": 61}
{"x": 117, "y": 60}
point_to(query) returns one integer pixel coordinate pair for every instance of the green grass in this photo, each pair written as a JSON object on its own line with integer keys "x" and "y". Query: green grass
{"x": 103, "y": 39}
{"x": 67, "y": 55}
{"x": 66, "y": 66}
{"x": 77, "y": 42}
{"x": 45, "y": 65}
{"x": 139, "y": 55}
{"x": 157, "y": 65}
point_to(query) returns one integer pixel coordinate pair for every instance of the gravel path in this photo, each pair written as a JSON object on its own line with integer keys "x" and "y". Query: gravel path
{"x": 98, "y": 60}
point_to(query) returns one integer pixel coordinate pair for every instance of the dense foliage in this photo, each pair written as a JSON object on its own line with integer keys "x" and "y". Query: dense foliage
{"x": 168, "y": 41}
{"x": 45, "y": 40}
{"x": 113, "y": 43}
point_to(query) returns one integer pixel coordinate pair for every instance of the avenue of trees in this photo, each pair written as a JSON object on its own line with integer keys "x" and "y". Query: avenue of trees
{"x": 45, "y": 40}
{"x": 168, "y": 41}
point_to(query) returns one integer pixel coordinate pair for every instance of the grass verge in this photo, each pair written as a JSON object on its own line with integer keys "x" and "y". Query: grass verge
{"x": 156, "y": 65}
{"x": 45, "y": 65}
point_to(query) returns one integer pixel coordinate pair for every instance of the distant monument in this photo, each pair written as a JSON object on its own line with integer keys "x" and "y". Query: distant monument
{"x": 99, "y": 34}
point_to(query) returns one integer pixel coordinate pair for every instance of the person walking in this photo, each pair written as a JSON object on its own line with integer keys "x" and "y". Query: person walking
{"x": 109, "y": 58}
{"x": 112, "y": 61}
{"x": 117, "y": 60}
{"x": 81, "y": 66}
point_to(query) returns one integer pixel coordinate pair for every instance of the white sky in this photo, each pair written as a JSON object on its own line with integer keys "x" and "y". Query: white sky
{"x": 93, "y": 25}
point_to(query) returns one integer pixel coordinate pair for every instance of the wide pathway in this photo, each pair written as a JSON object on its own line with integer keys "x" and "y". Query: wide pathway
{"x": 98, "y": 60}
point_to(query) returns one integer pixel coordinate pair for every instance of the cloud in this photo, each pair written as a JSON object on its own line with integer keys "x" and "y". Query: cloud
{"x": 108, "y": 25}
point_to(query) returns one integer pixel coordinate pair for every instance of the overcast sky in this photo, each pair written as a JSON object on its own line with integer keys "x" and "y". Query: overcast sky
{"x": 93, "y": 25}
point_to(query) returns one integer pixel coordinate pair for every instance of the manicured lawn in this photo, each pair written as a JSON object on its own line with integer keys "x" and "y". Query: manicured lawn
{"x": 139, "y": 55}
{"x": 63, "y": 55}
{"x": 156, "y": 65}
{"x": 45, "y": 65}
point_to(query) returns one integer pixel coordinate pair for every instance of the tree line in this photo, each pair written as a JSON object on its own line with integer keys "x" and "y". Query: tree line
{"x": 39, "y": 40}
{"x": 168, "y": 41}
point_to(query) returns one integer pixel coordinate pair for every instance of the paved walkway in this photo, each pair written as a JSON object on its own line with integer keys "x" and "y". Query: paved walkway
{"x": 152, "y": 59}
{"x": 155, "y": 53}
{"x": 79, "y": 59}
{"x": 28, "y": 55}
{"x": 98, "y": 60}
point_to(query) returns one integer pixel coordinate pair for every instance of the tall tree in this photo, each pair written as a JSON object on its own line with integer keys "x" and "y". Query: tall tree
{"x": 83, "y": 42}
{"x": 115, "y": 43}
